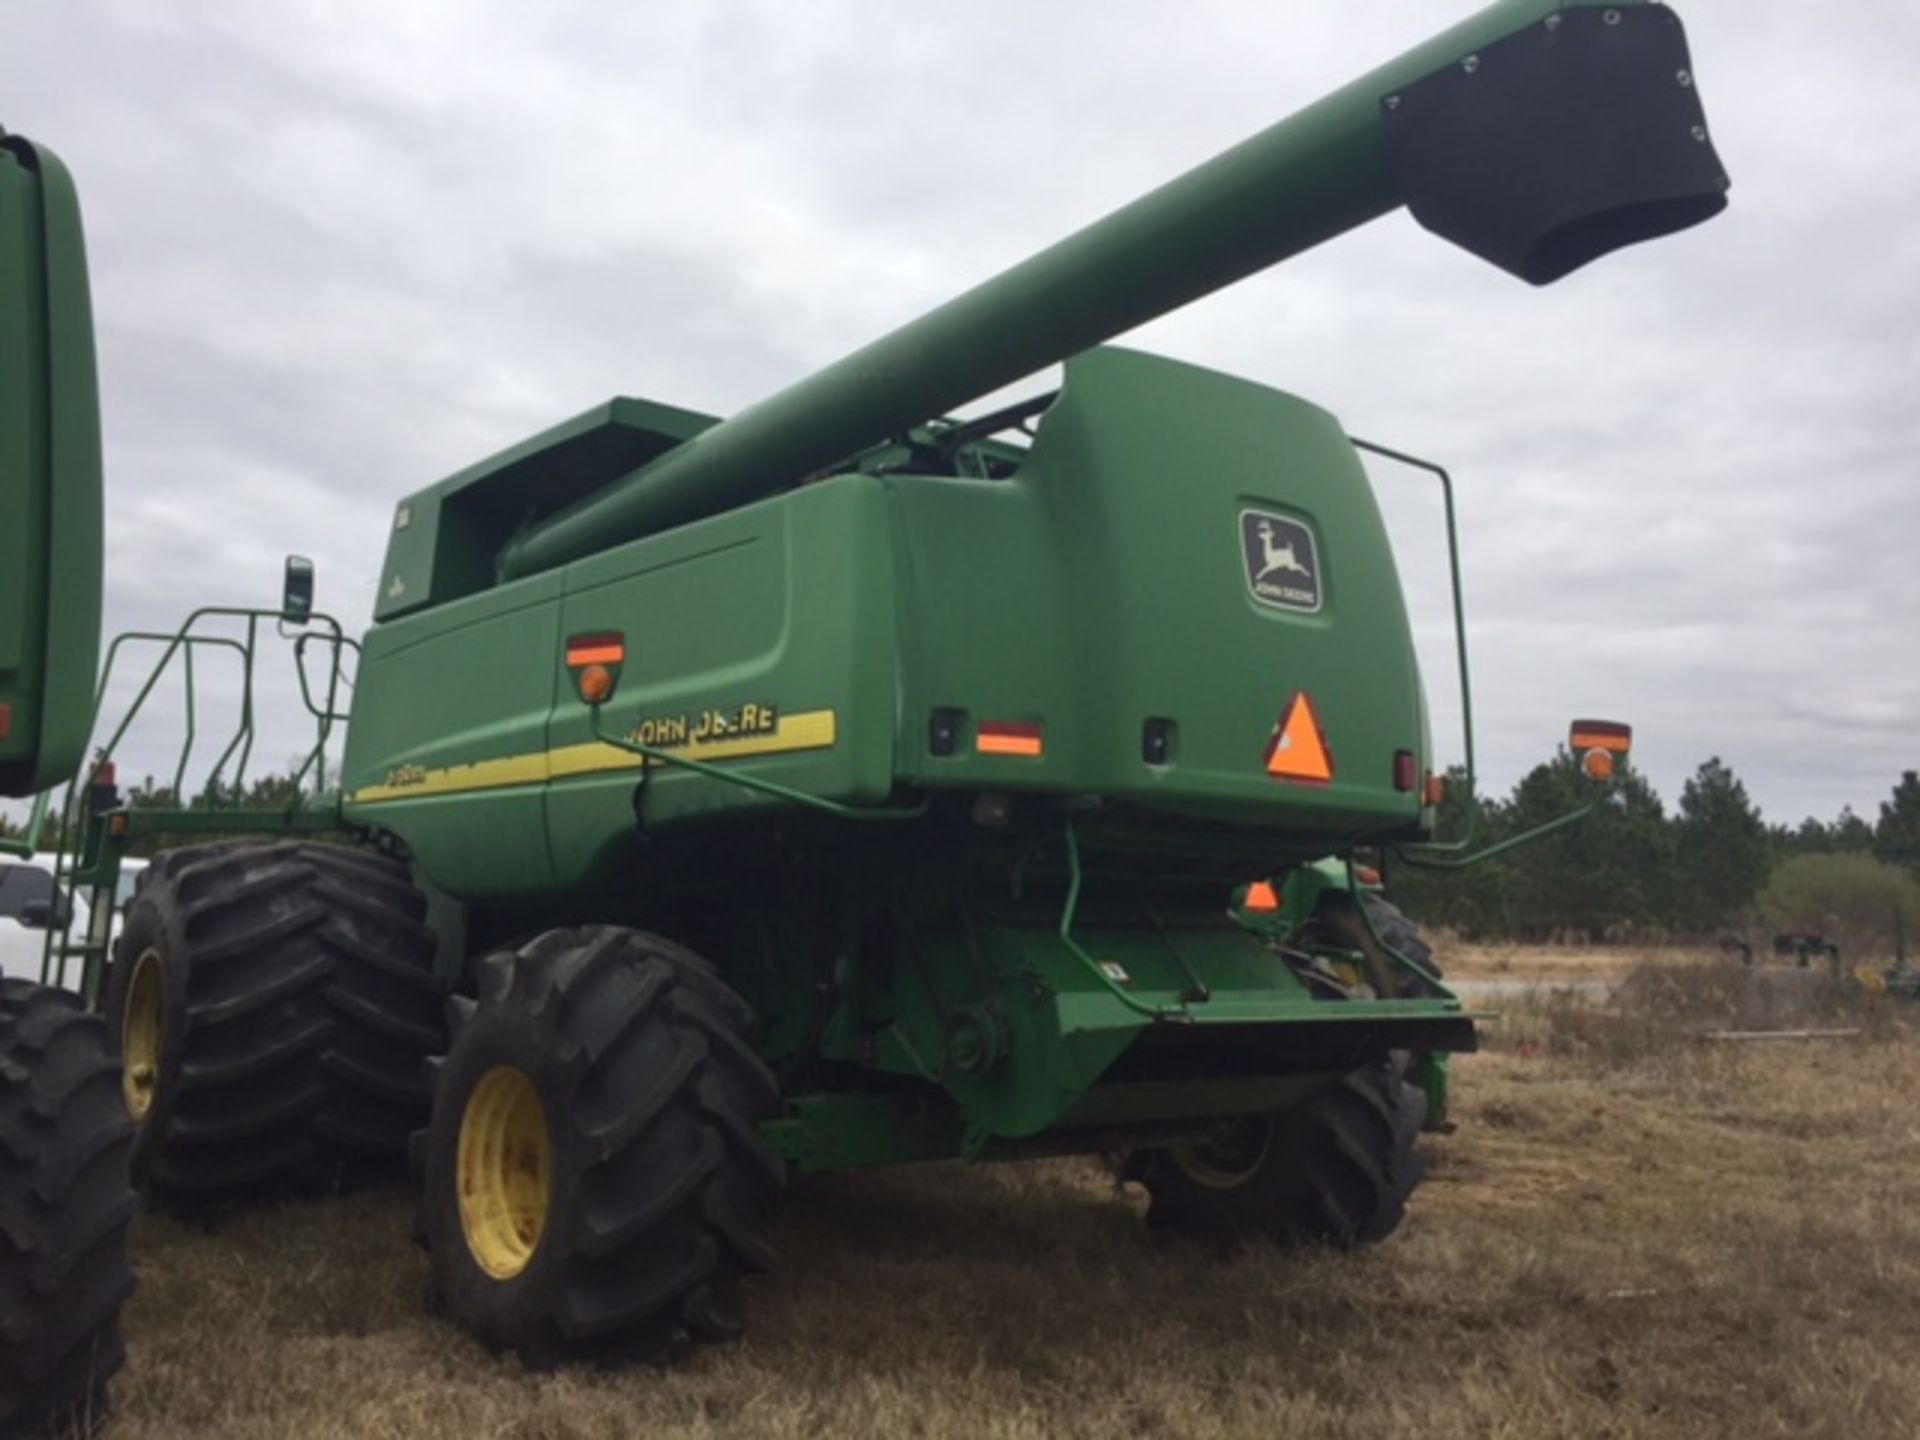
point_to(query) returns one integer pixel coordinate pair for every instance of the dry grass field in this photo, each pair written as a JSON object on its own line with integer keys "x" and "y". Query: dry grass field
{"x": 1632, "y": 1233}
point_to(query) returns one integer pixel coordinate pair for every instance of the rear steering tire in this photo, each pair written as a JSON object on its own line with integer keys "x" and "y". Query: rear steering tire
{"x": 595, "y": 1184}
{"x": 65, "y": 1199}
{"x": 1340, "y": 920}
{"x": 1335, "y": 1170}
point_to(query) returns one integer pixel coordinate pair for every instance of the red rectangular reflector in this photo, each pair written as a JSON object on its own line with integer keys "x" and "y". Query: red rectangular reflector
{"x": 1008, "y": 737}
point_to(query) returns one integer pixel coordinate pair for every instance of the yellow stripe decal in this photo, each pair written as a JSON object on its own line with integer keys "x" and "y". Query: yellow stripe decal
{"x": 815, "y": 730}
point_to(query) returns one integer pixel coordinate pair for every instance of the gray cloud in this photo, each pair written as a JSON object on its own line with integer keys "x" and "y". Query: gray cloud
{"x": 344, "y": 249}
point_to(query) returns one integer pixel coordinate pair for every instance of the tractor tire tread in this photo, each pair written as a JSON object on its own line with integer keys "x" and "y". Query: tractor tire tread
{"x": 65, "y": 1203}
{"x": 639, "y": 1052}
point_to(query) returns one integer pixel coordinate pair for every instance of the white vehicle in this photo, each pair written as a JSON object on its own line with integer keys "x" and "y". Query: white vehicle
{"x": 28, "y": 909}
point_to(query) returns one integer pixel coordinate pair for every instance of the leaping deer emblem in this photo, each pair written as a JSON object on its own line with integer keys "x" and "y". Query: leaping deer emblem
{"x": 1277, "y": 557}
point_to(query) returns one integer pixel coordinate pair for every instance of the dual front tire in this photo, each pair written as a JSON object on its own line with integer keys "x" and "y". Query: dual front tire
{"x": 594, "y": 1180}
{"x": 273, "y": 1004}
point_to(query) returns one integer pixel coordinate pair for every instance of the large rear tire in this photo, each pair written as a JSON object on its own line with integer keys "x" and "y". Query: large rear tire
{"x": 595, "y": 1184}
{"x": 65, "y": 1199}
{"x": 1335, "y": 1170}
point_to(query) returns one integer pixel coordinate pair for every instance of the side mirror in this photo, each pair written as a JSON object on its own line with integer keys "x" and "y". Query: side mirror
{"x": 296, "y": 591}
{"x": 44, "y": 914}
{"x": 1597, "y": 742}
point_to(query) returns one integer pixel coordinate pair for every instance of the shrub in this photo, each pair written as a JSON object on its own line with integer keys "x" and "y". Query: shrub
{"x": 1851, "y": 898}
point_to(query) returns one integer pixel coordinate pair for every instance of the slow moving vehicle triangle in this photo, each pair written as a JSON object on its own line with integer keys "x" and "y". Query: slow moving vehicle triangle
{"x": 1298, "y": 751}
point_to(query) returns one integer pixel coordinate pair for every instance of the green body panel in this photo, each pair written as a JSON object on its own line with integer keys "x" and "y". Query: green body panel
{"x": 50, "y": 517}
{"x": 785, "y": 606}
{"x": 467, "y": 683}
{"x": 867, "y": 603}
{"x": 1116, "y": 592}
{"x": 468, "y": 741}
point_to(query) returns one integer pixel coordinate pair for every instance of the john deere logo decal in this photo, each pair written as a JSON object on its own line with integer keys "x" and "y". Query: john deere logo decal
{"x": 1282, "y": 567}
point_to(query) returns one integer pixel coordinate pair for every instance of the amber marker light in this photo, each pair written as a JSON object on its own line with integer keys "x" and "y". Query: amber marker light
{"x": 1609, "y": 735}
{"x": 596, "y": 684}
{"x": 595, "y": 650}
{"x": 1008, "y": 737}
{"x": 595, "y": 661}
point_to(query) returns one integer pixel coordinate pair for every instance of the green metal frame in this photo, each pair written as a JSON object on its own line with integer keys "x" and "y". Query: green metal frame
{"x": 1446, "y": 854}
{"x": 103, "y": 839}
{"x": 1440, "y": 473}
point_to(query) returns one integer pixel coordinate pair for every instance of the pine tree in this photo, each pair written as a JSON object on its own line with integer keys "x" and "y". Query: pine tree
{"x": 1721, "y": 858}
{"x": 1850, "y": 834}
{"x": 1897, "y": 837}
{"x": 1611, "y": 870}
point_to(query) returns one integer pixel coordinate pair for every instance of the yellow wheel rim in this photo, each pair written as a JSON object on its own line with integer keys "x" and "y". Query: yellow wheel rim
{"x": 142, "y": 1027}
{"x": 505, "y": 1172}
{"x": 1230, "y": 1161}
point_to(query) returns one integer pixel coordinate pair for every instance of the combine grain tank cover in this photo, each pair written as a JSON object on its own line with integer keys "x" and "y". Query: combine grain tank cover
{"x": 1562, "y": 142}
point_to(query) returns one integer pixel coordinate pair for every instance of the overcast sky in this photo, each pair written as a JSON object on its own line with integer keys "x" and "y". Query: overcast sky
{"x": 343, "y": 249}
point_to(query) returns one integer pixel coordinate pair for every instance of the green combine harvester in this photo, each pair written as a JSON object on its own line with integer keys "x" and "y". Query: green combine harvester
{"x": 841, "y": 784}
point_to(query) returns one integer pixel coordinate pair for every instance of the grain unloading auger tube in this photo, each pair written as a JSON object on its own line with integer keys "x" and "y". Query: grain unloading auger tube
{"x": 1535, "y": 135}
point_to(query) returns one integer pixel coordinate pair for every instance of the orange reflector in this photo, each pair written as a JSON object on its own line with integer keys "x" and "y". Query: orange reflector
{"x": 596, "y": 684}
{"x": 6, "y": 722}
{"x": 1598, "y": 764}
{"x": 1601, "y": 735}
{"x": 1261, "y": 896}
{"x": 603, "y": 649}
{"x": 1435, "y": 790}
{"x": 1008, "y": 737}
{"x": 1298, "y": 751}
{"x": 1366, "y": 875}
